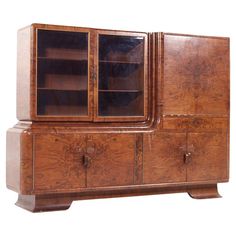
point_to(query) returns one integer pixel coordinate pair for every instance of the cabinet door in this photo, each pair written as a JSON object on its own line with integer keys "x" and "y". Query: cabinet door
{"x": 209, "y": 159}
{"x": 63, "y": 75}
{"x": 121, "y": 89}
{"x": 163, "y": 158}
{"x": 111, "y": 160}
{"x": 58, "y": 162}
{"x": 196, "y": 75}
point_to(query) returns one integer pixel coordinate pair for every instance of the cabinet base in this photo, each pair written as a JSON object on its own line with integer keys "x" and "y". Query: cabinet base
{"x": 39, "y": 203}
{"x": 204, "y": 192}
{"x": 57, "y": 201}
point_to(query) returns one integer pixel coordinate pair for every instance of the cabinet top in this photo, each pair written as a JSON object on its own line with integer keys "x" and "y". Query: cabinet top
{"x": 78, "y": 28}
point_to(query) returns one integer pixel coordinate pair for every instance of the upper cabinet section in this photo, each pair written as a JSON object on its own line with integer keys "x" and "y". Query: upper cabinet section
{"x": 196, "y": 75}
{"x": 80, "y": 74}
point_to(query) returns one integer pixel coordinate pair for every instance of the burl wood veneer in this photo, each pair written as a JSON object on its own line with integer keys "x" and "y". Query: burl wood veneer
{"x": 106, "y": 113}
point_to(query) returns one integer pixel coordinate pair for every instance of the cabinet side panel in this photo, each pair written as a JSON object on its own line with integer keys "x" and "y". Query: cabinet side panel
{"x": 23, "y": 73}
{"x": 19, "y": 161}
{"x": 13, "y": 159}
{"x": 196, "y": 75}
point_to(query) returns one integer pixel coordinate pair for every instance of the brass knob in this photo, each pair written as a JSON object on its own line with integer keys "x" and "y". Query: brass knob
{"x": 86, "y": 161}
{"x": 187, "y": 157}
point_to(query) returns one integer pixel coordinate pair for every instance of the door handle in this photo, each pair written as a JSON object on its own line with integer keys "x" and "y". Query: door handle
{"x": 187, "y": 157}
{"x": 86, "y": 161}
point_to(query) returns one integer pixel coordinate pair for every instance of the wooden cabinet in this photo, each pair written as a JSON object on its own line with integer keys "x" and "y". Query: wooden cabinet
{"x": 83, "y": 75}
{"x": 106, "y": 113}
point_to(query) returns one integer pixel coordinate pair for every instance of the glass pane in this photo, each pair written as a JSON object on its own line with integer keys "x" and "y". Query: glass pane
{"x": 62, "y": 73}
{"x": 121, "y": 76}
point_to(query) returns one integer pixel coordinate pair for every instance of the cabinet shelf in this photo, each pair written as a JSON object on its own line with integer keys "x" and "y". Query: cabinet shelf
{"x": 120, "y": 91}
{"x": 62, "y": 59}
{"x": 66, "y": 90}
{"x": 120, "y": 62}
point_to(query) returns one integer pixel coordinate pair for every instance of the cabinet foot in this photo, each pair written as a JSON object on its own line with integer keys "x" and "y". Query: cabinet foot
{"x": 39, "y": 203}
{"x": 203, "y": 192}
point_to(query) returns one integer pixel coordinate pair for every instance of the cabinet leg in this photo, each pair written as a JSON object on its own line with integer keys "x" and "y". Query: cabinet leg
{"x": 203, "y": 192}
{"x": 39, "y": 203}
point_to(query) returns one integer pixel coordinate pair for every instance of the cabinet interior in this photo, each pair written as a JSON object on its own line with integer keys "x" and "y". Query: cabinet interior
{"x": 121, "y": 75}
{"x": 62, "y": 73}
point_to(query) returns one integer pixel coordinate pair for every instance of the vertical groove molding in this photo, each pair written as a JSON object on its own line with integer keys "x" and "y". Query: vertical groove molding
{"x": 138, "y": 167}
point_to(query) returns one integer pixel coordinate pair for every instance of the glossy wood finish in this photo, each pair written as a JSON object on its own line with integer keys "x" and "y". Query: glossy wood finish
{"x": 24, "y": 72}
{"x": 60, "y": 201}
{"x": 209, "y": 159}
{"x": 196, "y": 75}
{"x": 41, "y": 203}
{"x": 181, "y": 144}
{"x": 112, "y": 160}
{"x": 29, "y": 104}
{"x": 69, "y": 161}
{"x": 19, "y": 168}
{"x": 58, "y": 161}
{"x": 163, "y": 158}
{"x": 204, "y": 192}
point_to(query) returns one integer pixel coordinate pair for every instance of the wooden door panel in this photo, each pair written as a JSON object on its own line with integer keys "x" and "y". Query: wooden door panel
{"x": 112, "y": 160}
{"x": 196, "y": 75}
{"x": 163, "y": 158}
{"x": 209, "y": 157}
{"x": 58, "y": 162}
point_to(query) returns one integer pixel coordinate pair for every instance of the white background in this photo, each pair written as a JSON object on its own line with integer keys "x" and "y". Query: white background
{"x": 174, "y": 214}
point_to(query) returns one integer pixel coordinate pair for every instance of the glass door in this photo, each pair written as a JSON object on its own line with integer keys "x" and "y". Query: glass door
{"x": 62, "y": 74}
{"x": 121, "y": 85}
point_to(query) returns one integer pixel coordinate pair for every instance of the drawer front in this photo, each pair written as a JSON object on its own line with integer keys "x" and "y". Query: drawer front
{"x": 113, "y": 162}
{"x": 58, "y": 162}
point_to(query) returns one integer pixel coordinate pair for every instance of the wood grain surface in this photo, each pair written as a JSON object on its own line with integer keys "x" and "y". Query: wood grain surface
{"x": 181, "y": 144}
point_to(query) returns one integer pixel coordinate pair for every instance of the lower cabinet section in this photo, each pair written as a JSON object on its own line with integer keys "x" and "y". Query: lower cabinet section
{"x": 71, "y": 161}
{"x": 50, "y": 170}
{"x": 185, "y": 157}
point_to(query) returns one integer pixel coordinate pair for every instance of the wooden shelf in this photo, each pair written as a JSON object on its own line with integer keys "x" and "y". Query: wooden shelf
{"x": 120, "y": 62}
{"x": 66, "y": 53}
{"x": 120, "y": 90}
{"x": 66, "y": 90}
{"x": 68, "y": 110}
{"x": 62, "y": 59}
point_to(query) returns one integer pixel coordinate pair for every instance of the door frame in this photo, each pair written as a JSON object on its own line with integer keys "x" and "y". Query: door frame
{"x": 98, "y": 118}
